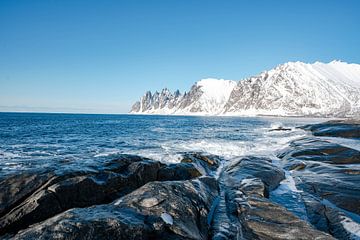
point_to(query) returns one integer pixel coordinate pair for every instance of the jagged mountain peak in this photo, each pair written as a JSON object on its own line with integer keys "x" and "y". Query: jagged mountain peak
{"x": 289, "y": 89}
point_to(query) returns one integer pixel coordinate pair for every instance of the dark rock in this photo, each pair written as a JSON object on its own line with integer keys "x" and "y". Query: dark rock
{"x": 349, "y": 128}
{"x": 262, "y": 219}
{"x": 337, "y": 221}
{"x": 244, "y": 212}
{"x": 206, "y": 164}
{"x": 79, "y": 191}
{"x": 121, "y": 163}
{"x": 332, "y": 183}
{"x": 50, "y": 194}
{"x": 329, "y": 183}
{"x": 158, "y": 210}
{"x": 315, "y": 212}
{"x": 17, "y": 187}
{"x": 280, "y": 129}
{"x": 254, "y": 167}
{"x": 180, "y": 171}
{"x": 295, "y": 165}
{"x": 327, "y": 174}
{"x": 328, "y": 218}
{"x": 310, "y": 149}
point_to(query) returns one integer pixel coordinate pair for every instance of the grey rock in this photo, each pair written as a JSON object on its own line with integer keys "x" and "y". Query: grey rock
{"x": 328, "y": 177}
{"x": 244, "y": 212}
{"x": 349, "y": 128}
{"x": 158, "y": 210}
{"x": 255, "y": 167}
{"x": 205, "y": 163}
{"x": 180, "y": 171}
{"x": 317, "y": 150}
{"x": 78, "y": 191}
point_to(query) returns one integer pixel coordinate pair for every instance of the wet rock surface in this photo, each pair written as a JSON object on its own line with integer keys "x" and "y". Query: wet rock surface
{"x": 67, "y": 191}
{"x": 206, "y": 164}
{"x": 201, "y": 197}
{"x": 16, "y": 187}
{"x": 328, "y": 178}
{"x": 349, "y": 128}
{"x": 317, "y": 150}
{"x": 158, "y": 210}
{"x": 244, "y": 210}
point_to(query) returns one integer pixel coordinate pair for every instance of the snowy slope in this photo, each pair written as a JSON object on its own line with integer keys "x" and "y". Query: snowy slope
{"x": 211, "y": 96}
{"x": 290, "y": 89}
{"x": 207, "y": 96}
{"x": 296, "y": 88}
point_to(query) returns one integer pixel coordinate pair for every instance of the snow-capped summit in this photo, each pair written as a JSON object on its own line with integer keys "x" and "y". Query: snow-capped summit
{"x": 210, "y": 96}
{"x": 290, "y": 89}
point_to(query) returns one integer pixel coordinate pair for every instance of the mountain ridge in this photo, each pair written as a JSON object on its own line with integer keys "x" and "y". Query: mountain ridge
{"x": 290, "y": 89}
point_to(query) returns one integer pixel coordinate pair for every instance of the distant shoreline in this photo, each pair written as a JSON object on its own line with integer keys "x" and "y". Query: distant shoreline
{"x": 183, "y": 115}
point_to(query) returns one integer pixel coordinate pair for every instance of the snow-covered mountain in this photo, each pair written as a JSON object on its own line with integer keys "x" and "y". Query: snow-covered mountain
{"x": 207, "y": 96}
{"x": 290, "y": 89}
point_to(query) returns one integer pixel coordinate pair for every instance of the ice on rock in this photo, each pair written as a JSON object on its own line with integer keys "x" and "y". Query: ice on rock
{"x": 167, "y": 218}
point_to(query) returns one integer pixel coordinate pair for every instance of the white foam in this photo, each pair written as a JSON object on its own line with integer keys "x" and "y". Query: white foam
{"x": 108, "y": 153}
{"x": 8, "y": 155}
{"x": 265, "y": 143}
{"x": 286, "y": 185}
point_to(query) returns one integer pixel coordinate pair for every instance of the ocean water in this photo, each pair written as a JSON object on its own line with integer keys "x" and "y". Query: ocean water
{"x": 79, "y": 141}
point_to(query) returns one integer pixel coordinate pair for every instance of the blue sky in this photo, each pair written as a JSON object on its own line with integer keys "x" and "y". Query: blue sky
{"x": 101, "y": 56}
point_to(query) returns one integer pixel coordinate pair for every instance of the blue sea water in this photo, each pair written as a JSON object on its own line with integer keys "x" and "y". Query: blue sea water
{"x": 68, "y": 142}
{"x": 78, "y": 141}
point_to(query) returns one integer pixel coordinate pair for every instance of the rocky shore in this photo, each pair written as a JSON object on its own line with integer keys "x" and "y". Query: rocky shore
{"x": 202, "y": 197}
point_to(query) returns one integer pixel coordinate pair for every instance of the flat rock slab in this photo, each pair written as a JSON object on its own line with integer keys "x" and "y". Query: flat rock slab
{"x": 328, "y": 176}
{"x": 245, "y": 212}
{"x": 263, "y": 219}
{"x": 315, "y": 149}
{"x": 349, "y": 128}
{"x": 253, "y": 167}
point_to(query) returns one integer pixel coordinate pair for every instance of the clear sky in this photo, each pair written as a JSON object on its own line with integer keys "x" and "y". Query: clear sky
{"x": 101, "y": 56}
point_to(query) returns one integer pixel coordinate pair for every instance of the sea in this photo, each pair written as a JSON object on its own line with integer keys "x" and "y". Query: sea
{"x": 80, "y": 141}
{"x": 77, "y": 142}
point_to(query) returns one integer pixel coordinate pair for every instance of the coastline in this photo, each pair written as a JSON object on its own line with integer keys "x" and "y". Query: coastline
{"x": 160, "y": 192}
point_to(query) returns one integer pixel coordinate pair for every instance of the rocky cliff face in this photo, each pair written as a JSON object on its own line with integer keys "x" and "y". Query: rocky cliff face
{"x": 291, "y": 89}
{"x": 157, "y": 101}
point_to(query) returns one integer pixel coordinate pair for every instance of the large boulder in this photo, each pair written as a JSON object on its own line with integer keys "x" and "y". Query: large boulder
{"x": 34, "y": 197}
{"x": 253, "y": 167}
{"x": 78, "y": 191}
{"x": 178, "y": 171}
{"x": 17, "y": 187}
{"x": 158, "y": 210}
